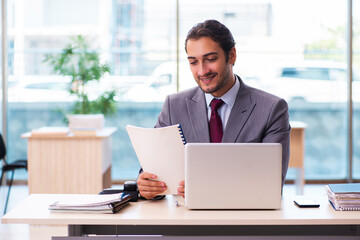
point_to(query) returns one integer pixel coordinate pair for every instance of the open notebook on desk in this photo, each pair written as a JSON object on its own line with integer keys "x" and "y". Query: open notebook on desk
{"x": 160, "y": 151}
{"x": 91, "y": 203}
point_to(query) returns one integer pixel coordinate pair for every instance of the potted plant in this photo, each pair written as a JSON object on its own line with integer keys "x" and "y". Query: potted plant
{"x": 82, "y": 64}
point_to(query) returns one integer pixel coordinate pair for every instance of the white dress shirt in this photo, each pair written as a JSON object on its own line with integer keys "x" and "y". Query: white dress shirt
{"x": 229, "y": 100}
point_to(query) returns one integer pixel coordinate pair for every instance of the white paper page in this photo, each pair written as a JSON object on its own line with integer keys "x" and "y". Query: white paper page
{"x": 160, "y": 151}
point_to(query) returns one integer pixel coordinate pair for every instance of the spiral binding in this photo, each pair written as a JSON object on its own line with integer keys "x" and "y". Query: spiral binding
{"x": 182, "y": 134}
{"x": 350, "y": 208}
{"x": 344, "y": 208}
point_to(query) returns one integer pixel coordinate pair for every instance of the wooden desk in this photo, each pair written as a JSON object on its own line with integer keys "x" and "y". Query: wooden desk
{"x": 165, "y": 218}
{"x": 297, "y": 153}
{"x": 70, "y": 164}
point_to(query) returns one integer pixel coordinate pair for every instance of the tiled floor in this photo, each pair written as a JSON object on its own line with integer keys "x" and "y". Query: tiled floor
{"x": 26, "y": 232}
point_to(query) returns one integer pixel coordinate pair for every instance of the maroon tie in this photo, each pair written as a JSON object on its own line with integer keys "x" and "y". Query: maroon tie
{"x": 215, "y": 125}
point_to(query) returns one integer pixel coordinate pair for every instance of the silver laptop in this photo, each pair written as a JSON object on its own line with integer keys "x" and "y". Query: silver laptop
{"x": 233, "y": 175}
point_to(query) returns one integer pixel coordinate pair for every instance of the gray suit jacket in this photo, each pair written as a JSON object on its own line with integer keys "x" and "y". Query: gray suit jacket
{"x": 256, "y": 117}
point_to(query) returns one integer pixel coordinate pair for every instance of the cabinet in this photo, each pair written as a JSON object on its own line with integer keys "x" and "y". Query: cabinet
{"x": 70, "y": 164}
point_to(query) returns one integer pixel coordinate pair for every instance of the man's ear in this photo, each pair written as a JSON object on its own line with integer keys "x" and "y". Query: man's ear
{"x": 232, "y": 56}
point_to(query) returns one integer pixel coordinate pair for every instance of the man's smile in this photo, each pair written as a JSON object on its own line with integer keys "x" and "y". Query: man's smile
{"x": 207, "y": 79}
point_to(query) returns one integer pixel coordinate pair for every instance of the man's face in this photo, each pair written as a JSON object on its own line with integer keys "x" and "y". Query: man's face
{"x": 209, "y": 67}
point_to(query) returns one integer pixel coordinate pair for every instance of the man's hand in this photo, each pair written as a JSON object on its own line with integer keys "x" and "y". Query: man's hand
{"x": 149, "y": 188}
{"x": 181, "y": 188}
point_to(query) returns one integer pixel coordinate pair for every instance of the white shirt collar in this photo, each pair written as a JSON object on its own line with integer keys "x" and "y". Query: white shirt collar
{"x": 229, "y": 97}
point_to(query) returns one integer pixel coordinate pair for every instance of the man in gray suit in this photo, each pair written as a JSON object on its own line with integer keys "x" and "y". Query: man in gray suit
{"x": 244, "y": 115}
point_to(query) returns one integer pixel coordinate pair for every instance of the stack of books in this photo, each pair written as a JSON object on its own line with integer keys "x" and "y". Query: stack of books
{"x": 344, "y": 197}
{"x": 92, "y": 203}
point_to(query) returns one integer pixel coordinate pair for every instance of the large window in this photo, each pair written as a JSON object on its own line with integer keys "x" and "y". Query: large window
{"x": 294, "y": 49}
{"x": 137, "y": 38}
{"x": 356, "y": 88}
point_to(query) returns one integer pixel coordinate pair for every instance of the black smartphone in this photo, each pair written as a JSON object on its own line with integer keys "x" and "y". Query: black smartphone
{"x": 306, "y": 203}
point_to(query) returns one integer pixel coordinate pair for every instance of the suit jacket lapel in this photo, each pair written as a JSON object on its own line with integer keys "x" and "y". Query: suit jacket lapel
{"x": 198, "y": 116}
{"x": 239, "y": 115}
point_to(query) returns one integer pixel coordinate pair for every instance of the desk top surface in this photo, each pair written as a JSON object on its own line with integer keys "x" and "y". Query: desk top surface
{"x": 34, "y": 210}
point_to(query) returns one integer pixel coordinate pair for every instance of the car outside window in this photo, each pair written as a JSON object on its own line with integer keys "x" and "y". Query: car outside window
{"x": 306, "y": 73}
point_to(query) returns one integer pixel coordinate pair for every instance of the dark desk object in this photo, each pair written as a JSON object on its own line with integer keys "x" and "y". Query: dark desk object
{"x": 129, "y": 187}
{"x": 9, "y": 167}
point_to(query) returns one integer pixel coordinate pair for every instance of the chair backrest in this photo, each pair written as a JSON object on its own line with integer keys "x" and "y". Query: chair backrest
{"x": 2, "y": 148}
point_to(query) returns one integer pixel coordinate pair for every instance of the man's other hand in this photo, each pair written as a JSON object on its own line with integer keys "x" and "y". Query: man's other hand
{"x": 149, "y": 188}
{"x": 181, "y": 188}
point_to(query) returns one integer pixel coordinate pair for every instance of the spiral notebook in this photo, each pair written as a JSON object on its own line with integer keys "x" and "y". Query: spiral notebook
{"x": 91, "y": 203}
{"x": 344, "y": 196}
{"x": 160, "y": 151}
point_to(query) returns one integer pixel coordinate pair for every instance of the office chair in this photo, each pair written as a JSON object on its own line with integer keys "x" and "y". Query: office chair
{"x": 9, "y": 167}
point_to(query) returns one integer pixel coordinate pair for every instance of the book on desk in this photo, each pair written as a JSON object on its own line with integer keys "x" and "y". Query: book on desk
{"x": 84, "y": 131}
{"x": 51, "y": 131}
{"x": 92, "y": 203}
{"x": 344, "y": 196}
